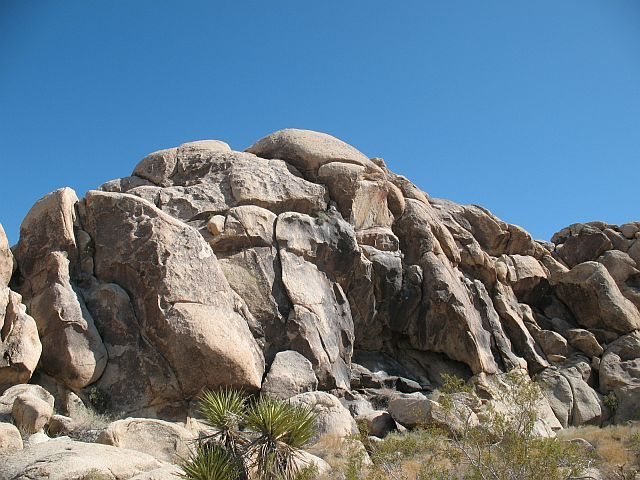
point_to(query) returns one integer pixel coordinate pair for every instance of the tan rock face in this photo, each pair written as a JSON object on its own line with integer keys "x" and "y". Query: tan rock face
{"x": 61, "y": 459}
{"x": 20, "y": 346}
{"x": 48, "y": 254}
{"x": 289, "y": 374}
{"x": 185, "y": 306}
{"x": 10, "y": 439}
{"x": 31, "y": 413}
{"x": 165, "y": 441}
{"x": 6, "y": 259}
{"x": 361, "y": 197}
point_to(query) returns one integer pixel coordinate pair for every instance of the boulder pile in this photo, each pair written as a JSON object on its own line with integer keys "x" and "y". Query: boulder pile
{"x": 301, "y": 268}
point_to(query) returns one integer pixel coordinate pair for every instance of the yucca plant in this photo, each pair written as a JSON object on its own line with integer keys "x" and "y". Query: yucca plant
{"x": 210, "y": 461}
{"x": 260, "y": 440}
{"x": 224, "y": 410}
{"x": 281, "y": 430}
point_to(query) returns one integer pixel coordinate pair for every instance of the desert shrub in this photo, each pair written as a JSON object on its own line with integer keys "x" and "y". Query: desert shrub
{"x": 99, "y": 399}
{"x": 505, "y": 444}
{"x": 611, "y": 402}
{"x": 409, "y": 455}
{"x": 259, "y": 440}
{"x": 95, "y": 474}
{"x": 310, "y": 472}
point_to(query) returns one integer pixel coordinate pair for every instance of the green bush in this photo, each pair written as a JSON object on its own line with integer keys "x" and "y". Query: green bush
{"x": 254, "y": 440}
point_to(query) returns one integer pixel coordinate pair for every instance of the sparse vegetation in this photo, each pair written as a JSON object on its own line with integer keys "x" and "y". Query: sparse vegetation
{"x": 95, "y": 474}
{"x": 611, "y": 402}
{"x": 504, "y": 446}
{"x": 99, "y": 399}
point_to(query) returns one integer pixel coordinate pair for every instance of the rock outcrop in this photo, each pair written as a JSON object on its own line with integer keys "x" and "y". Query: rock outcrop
{"x": 272, "y": 269}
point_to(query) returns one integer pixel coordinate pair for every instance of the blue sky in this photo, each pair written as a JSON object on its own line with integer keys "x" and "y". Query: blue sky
{"x": 529, "y": 108}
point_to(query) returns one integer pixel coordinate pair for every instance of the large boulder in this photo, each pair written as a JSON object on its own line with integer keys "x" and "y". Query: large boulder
{"x": 587, "y": 406}
{"x": 620, "y": 364}
{"x": 9, "y": 396}
{"x": 333, "y": 419}
{"x": 6, "y": 259}
{"x": 558, "y": 392}
{"x": 304, "y": 460}
{"x": 526, "y": 275}
{"x": 416, "y": 410}
{"x": 31, "y": 413}
{"x": 166, "y": 441}
{"x": 585, "y": 341}
{"x": 62, "y": 459}
{"x": 361, "y": 198}
{"x": 158, "y": 167}
{"x": 308, "y": 151}
{"x": 213, "y": 180}
{"x": 595, "y": 299}
{"x": 625, "y": 272}
{"x": 378, "y": 423}
{"x": 10, "y": 439}
{"x": 580, "y": 243}
{"x": 289, "y": 375}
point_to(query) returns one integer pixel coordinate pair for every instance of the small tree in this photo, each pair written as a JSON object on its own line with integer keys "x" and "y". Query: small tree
{"x": 260, "y": 440}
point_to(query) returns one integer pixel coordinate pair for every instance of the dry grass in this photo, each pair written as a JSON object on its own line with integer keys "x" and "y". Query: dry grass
{"x": 398, "y": 456}
{"x": 338, "y": 452}
{"x": 87, "y": 423}
{"x": 617, "y": 447}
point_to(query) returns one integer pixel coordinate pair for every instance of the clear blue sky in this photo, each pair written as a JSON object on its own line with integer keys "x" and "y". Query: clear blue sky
{"x": 529, "y": 108}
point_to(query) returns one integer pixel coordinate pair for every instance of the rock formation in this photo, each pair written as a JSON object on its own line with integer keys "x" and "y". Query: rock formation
{"x": 210, "y": 267}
